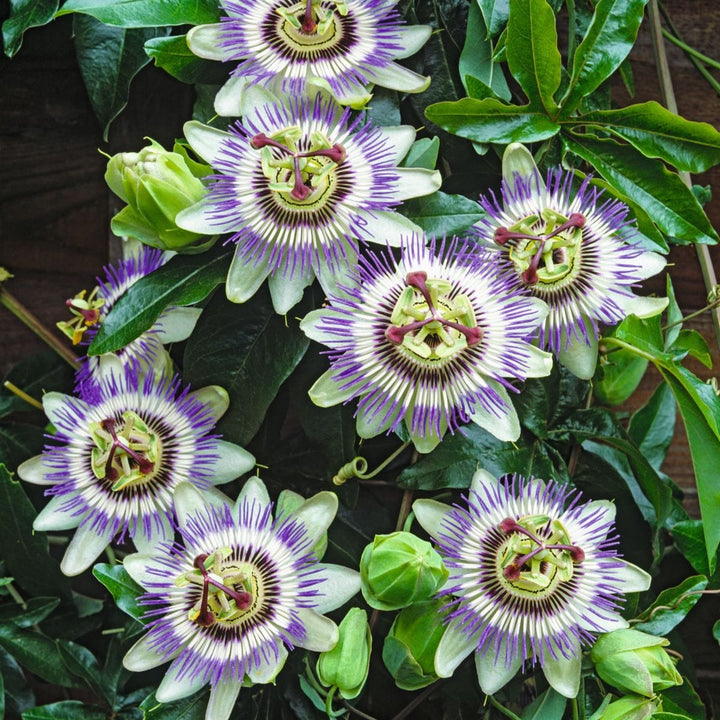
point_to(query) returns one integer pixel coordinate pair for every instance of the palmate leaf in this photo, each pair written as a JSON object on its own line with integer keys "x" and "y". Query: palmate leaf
{"x": 25, "y": 14}
{"x": 145, "y": 13}
{"x": 671, "y": 606}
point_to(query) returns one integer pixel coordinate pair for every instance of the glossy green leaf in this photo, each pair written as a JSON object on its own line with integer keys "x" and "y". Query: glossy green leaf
{"x": 441, "y": 214}
{"x": 423, "y": 154}
{"x": 658, "y": 133}
{"x": 18, "y": 693}
{"x": 532, "y": 52}
{"x": 691, "y": 342}
{"x": 490, "y": 120}
{"x": 36, "y": 653}
{"x": 606, "y": 44}
{"x": 619, "y": 374}
{"x": 122, "y": 587}
{"x": 173, "y": 55}
{"x": 665, "y": 197}
{"x": 671, "y": 606}
{"x": 109, "y": 58}
{"x": 495, "y": 14}
{"x": 65, "y": 710}
{"x": 25, "y": 14}
{"x": 652, "y": 427}
{"x": 250, "y": 351}
{"x": 548, "y": 706}
{"x": 476, "y": 57}
{"x": 18, "y": 442}
{"x": 690, "y": 540}
{"x": 26, "y": 552}
{"x": 684, "y": 700}
{"x": 83, "y": 664}
{"x": 673, "y": 315}
{"x": 35, "y": 611}
{"x": 184, "y": 280}
{"x": 146, "y": 13}
{"x": 189, "y": 708}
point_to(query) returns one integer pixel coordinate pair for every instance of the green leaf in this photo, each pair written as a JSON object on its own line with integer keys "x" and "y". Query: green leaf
{"x": 146, "y": 13}
{"x": 35, "y": 611}
{"x": 652, "y": 427}
{"x": 36, "y": 653}
{"x": 441, "y": 214}
{"x": 122, "y": 587}
{"x": 683, "y": 700}
{"x": 490, "y": 120}
{"x": 65, "y": 710}
{"x": 671, "y": 606}
{"x": 82, "y": 663}
{"x": 26, "y": 552}
{"x": 190, "y": 708}
{"x": 18, "y": 442}
{"x": 607, "y": 42}
{"x": 35, "y": 374}
{"x": 673, "y": 315}
{"x": 691, "y": 342}
{"x": 25, "y": 14}
{"x": 495, "y": 15}
{"x": 250, "y": 351}
{"x": 18, "y": 694}
{"x": 173, "y": 55}
{"x": 532, "y": 52}
{"x": 423, "y": 154}
{"x": 476, "y": 57}
{"x": 619, "y": 374}
{"x": 109, "y": 58}
{"x": 548, "y": 706}
{"x": 690, "y": 540}
{"x": 667, "y": 200}
{"x": 184, "y": 280}
{"x": 658, "y": 133}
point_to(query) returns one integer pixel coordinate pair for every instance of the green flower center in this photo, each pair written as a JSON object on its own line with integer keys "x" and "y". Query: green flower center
{"x": 231, "y": 592}
{"x": 545, "y": 248}
{"x": 299, "y": 178}
{"x": 126, "y": 453}
{"x": 312, "y": 25}
{"x": 86, "y": 313}
{"x": 536, "y": 556}
{"x": 430, "y": 322}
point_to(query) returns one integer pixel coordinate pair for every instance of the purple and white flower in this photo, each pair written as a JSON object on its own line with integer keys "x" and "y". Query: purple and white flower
{"x": 574, "y": 249}
{"x": 294, "y": 46}
{"x": 115, "y": 461}
{"x": 245, "y": 589}
{"x": 434, "y": 340}
{"x": 534, "y": 575}
{"x": 299, "y": 184}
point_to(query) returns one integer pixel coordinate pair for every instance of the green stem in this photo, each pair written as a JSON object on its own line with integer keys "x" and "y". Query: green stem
{"x": 628, "y": 346}
{"x": 404, "y": 511}
{"x": 575, "y": 709}
{"x": 15, "y": 595}
{"x": 502, "y": 708}
{"x": 691, "y": 50}
{"x": 15, "y": 390}
{"x": 357, "y": 467}
{"x": 709, "y": 306}
{"x": 418, "y": 700}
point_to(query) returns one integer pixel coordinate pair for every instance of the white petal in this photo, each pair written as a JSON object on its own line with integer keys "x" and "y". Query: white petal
{"x": 633, "y": 578}
{"x": 353, "y": 94}
{"x": 256, "y": 97}
{"x": 317, "y": 513}
{"x": 321, "y": 633}
{"x": 650, "y": 264}
{"x": 287, "y": 291}
{"x": 177, "y": 324}
{"x": 604, "y": 622}
{"x": 578, "y": 357}
{"x": 205, "y": 42}
{"x": 388, "y": 227}
{"x": 268, "y": 669}
{"x": 518, "y": 161}
{"x": 331, "y": 278}
{"x": 454, "y": 646}
{"x": 400, "y": 138}
{"x": 35, "y": 471}
{"x": 223, "y": 697}
{"x": 198, "y": 219}
{"x": 505, "y": 426}
{"x": 253, "y": 491}
{"x": 173, "y": 687}
{"x": 163, "y": 531}
{"x": 138, "y": 567}
{"x": 53, "y": 517}
{"x": 215, "y": 398}
{"x": 142, "y": 656}
{"x": 206, "y": 141}
{"x": 229, "y": 98}
{"x": 425, "y": 443}
{"x": 607, "y": 508}
{"x": 84, "y": 548}
{"x": 643, "y": 307}
{"x": 563, "y": 674}
{"x": 325, "y": 392}
{"x": 412, "y": 38}
{"x": 416, "y": 182}
{"x": 232, "y": 461}
{"x": 187, "y": 500}
{"x": 55, "y": 406}
{"x": 311, "y": 326}
{"x": 370, "y": 423}
{"x": 492, "y": 672}
{"x": 396, "y": 77}
{"x": 430, "y": 514}
{"x": 244, "y": 278}
{"x": 339, "y": 585}
{"x": 481, "y": 480}
{"x": 541, "y": 362}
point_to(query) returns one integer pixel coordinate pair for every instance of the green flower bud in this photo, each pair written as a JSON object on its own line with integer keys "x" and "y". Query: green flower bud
{"x": 630, "y": 707}
{"x": 409, "y": 648}
{"x": 156, "y": 184}
{"x": 288, "y": 502}
{"x": 346, "y": 666}
{"x": 634, "y": 662}
{"x": 399, "y": 569}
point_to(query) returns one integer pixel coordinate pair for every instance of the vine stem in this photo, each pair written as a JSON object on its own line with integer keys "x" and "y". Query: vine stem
{"x": 505, "y": 711}
{"x": 668, "y": 95}
{"x": 416, "y": 701}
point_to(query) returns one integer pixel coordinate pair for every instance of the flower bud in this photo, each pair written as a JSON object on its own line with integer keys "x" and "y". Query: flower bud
{"x": 399, "y": 569}
{"x": 409, "y": 649}
{"x": 156, "y": 184}
{"x": 630, "y": 707}
{"x": 634, "y": 662}
{"x": 346, "y": 666}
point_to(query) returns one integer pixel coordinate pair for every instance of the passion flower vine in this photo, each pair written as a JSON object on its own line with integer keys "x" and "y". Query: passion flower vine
{"x": 534, "y": 575}
{"x": 574, "y": 249}
{"x": 115, "y": 460}
{"x": 299, "y": 184}
{"x": 342, "y": 46}
{"x": 227, "y": 606}
{"x": 432, "y": 340}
